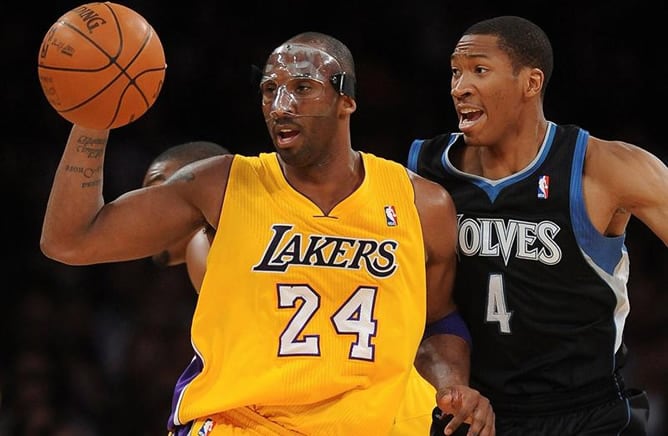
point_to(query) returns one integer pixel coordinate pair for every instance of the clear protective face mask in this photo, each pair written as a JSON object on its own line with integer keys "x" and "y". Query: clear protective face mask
{"x": 297, "y": 74}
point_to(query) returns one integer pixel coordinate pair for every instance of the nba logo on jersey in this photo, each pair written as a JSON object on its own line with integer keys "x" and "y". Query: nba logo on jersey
{"x": 543, "y": 187}
{"x": 206, "y": 427}
{"x": 391, "y": 216}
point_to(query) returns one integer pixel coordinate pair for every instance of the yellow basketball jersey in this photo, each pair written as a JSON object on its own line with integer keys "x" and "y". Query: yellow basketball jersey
{"x": 414, "y": 414}
{"x": 312, "y": 321}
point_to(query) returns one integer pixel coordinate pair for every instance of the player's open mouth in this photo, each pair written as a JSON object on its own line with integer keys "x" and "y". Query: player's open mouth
{"x": 469, "y": 117}
{"x": 286, "y": 135}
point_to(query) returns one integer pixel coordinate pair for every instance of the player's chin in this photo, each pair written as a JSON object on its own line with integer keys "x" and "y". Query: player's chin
{"x": 162, "y": 259}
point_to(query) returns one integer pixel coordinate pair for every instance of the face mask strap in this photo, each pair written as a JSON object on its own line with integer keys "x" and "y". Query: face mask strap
{"x": 343, "y": 84}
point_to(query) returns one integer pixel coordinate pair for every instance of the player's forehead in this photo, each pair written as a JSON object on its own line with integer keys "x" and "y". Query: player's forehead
{"x": 477, "y": 46}
{"x": 301, "y": 60}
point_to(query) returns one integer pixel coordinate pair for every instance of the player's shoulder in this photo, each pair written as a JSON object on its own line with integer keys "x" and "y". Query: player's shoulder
{"x": 424, "y": 186}
{"x": 213, "y": 164}
{"x": 429, "y": 193}
{"x": 615, "y": 164}
{"x": 210, "y": 171}
{"x": 617, "y": 148}
{"x": 611, "y": 154}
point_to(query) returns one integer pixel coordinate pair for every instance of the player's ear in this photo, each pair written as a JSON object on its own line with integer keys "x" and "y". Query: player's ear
{"x": 349, "y": 104}
{"x": 535, "y": 82}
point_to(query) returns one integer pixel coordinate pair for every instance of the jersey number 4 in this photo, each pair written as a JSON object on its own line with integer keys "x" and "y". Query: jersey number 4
{"x": 354, "y": 317}
{"x": 497, "y": 309}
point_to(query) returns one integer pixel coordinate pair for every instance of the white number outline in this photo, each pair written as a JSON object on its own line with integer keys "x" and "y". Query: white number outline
{"x": 354, "y": 317}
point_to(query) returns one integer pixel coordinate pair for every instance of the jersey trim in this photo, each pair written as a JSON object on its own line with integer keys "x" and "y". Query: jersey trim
{"x": 605, "y": 251}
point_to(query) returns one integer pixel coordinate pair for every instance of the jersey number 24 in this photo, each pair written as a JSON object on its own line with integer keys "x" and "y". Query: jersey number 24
{"x": 354, "y": 317}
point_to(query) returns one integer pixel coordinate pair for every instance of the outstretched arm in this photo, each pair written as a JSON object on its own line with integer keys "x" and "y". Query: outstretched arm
{"x": 622, "y": 180}
{"x": 80, "y": 228}
{"x": 443, "y": 358}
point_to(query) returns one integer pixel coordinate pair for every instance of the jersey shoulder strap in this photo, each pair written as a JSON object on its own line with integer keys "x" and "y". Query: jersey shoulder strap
{"x": 426, "y": 156}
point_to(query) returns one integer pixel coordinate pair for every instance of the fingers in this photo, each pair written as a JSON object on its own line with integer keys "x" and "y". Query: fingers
{"x": 482, "y": 420}
{"x": 466, "y": 405}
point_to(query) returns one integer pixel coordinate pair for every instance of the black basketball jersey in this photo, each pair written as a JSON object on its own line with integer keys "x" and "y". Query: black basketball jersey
{"x": 543, "y": 292}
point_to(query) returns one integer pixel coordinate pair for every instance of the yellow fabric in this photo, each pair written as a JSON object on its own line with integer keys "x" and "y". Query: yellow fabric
{"x": 414, "y": 415}
{"x": 238, "y": 422}
{"x": 299, "y": 313}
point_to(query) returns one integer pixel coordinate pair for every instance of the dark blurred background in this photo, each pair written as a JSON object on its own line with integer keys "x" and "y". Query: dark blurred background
{"x": 96, "y": 350}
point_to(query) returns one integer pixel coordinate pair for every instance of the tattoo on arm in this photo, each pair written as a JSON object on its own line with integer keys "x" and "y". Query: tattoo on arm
{"x": 92, "y": 148}
{"x": 88, "y": 173}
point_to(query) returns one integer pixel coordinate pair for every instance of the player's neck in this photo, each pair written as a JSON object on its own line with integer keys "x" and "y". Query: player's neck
{"x": 328, "y": 185}
{"x": 510, "y": 155}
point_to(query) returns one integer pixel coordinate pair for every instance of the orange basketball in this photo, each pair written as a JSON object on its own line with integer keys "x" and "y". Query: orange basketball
{"x": 101, "y": 65}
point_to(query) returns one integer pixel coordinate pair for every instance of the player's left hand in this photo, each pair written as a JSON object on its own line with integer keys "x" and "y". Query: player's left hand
{"x": 466, "y": 404}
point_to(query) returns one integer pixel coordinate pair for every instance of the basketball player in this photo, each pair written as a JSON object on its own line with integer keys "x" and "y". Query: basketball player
{"x": 542, "y": 211}
{"x": 414, "y": 416}
{"x": 316, "y": 300}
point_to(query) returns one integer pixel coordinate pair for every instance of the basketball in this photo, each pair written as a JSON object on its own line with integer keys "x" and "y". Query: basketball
{"x": 101, "y": 65}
